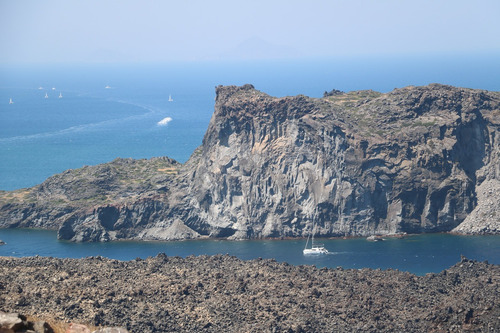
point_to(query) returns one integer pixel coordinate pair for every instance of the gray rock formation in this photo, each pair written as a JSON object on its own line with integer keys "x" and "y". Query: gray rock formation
{"x": 417, "y": 159}
{"x": 354, "y": 164}
{"x": 485, "y": 218}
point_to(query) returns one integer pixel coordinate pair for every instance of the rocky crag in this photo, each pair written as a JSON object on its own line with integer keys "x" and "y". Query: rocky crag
{"x": 416, "y": 159}
{"x": 225, "y": 294}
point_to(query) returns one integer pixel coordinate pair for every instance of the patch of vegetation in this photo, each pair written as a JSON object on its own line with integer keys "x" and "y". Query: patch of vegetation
{"x": 351, "y": 98}
{"x": 120, "y": 179}
{"x": 424, "y": 124}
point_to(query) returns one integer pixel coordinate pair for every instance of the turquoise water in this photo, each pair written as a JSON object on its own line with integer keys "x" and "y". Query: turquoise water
{"x": 418, "y": 254}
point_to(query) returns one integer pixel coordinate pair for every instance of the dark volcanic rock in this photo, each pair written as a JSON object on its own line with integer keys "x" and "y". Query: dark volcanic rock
{"x": 222, "y": 293}
{"x": 417, "y": 159}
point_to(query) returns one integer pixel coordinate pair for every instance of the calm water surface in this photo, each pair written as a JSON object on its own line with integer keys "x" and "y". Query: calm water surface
{"x": 418, "y": 254}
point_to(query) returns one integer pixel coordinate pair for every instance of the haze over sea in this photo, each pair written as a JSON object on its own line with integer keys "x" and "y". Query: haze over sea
{"x": 109, "y": 111}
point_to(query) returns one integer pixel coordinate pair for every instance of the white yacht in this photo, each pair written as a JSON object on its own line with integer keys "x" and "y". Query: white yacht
{"x": 10, "y": 101}
{"x": 60, "y": 95}
{"x": 170, "y": 98}
{"x": 315, "y": 249}
{"x": 46, "y": 95}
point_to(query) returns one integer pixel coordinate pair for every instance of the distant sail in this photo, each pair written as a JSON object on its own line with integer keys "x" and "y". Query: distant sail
{"x": 46, "y": 96}
{"x": 60, "y": 95}
{"x": 10, "y": 101}
{"x": 107, "y": 87}
{"x": 170, "y": 98}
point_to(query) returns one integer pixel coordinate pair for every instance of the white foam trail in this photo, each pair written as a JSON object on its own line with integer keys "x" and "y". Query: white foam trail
{"x": 150, "y": 111}
{"x": 164, "y": 121}
{"x": 76, "y": 129}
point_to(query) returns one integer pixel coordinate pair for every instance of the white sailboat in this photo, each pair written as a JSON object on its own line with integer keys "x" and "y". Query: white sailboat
{"x": 46, "y": 95}
{"x": 315, "y": 249}
{"x": 170, "y": 98}
{"x": 10, "y": 101}
{"x": 60, "y": 95}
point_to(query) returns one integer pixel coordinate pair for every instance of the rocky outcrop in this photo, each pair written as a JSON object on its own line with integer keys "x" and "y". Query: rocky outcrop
{"x": 485, "y": 218}
{"x": 98, "y": 203}
{"x": 222, "y": 293}
{"x": 15, "y": 322}
{"x": 360, "y": 163}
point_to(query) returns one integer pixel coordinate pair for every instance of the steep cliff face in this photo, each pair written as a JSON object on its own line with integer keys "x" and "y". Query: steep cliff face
{"x": 354, "y": 164}
{"x": 417, "y": 159}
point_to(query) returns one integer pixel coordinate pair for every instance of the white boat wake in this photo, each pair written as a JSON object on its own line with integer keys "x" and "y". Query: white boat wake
{"x": 164, "y": 121}
{"x": 150, "y": 111}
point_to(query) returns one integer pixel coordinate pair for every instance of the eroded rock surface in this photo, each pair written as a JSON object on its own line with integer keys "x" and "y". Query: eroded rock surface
{"x": 485, "y": 218}
{"x": 361, "y": 163}
{"x": 222, "y": 293}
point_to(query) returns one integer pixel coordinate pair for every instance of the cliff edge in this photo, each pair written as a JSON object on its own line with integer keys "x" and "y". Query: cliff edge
{"x": 416, "y": 159}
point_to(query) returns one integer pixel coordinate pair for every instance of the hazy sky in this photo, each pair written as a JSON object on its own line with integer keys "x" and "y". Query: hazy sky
{"x": 154, "y": 30}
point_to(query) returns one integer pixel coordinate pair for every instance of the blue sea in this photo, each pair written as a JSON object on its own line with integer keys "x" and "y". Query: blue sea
{"x": 122, "y": 110}
{"x": 419, "y": 254}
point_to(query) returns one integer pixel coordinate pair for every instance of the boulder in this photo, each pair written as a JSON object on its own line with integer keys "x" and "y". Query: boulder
{"x": 10, "y": 322}
{"x": 77, "y": 328}
{"x": 111, "y": 330}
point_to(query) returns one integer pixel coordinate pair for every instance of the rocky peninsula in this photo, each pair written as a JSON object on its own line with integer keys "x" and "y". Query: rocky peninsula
{"x": 223, "y": 293}
{"x": 416, "y": 159}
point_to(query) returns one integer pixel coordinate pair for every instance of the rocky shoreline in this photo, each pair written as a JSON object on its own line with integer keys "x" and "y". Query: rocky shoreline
{"x": 223, "y": 293}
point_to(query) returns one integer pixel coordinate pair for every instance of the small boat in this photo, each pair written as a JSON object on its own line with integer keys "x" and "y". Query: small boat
{"x": 170, "y": 98}
{"x": 374, "y": 238}
{"x": 10, "y": 101}
{"x": 107, "y": 87}
{"x": 315, "y": 249}
{"x": 40, "y": 88}
{"x": 46, "y": 96}
{"x": 53, "y": 88}
{"x": 60, "y": 95}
